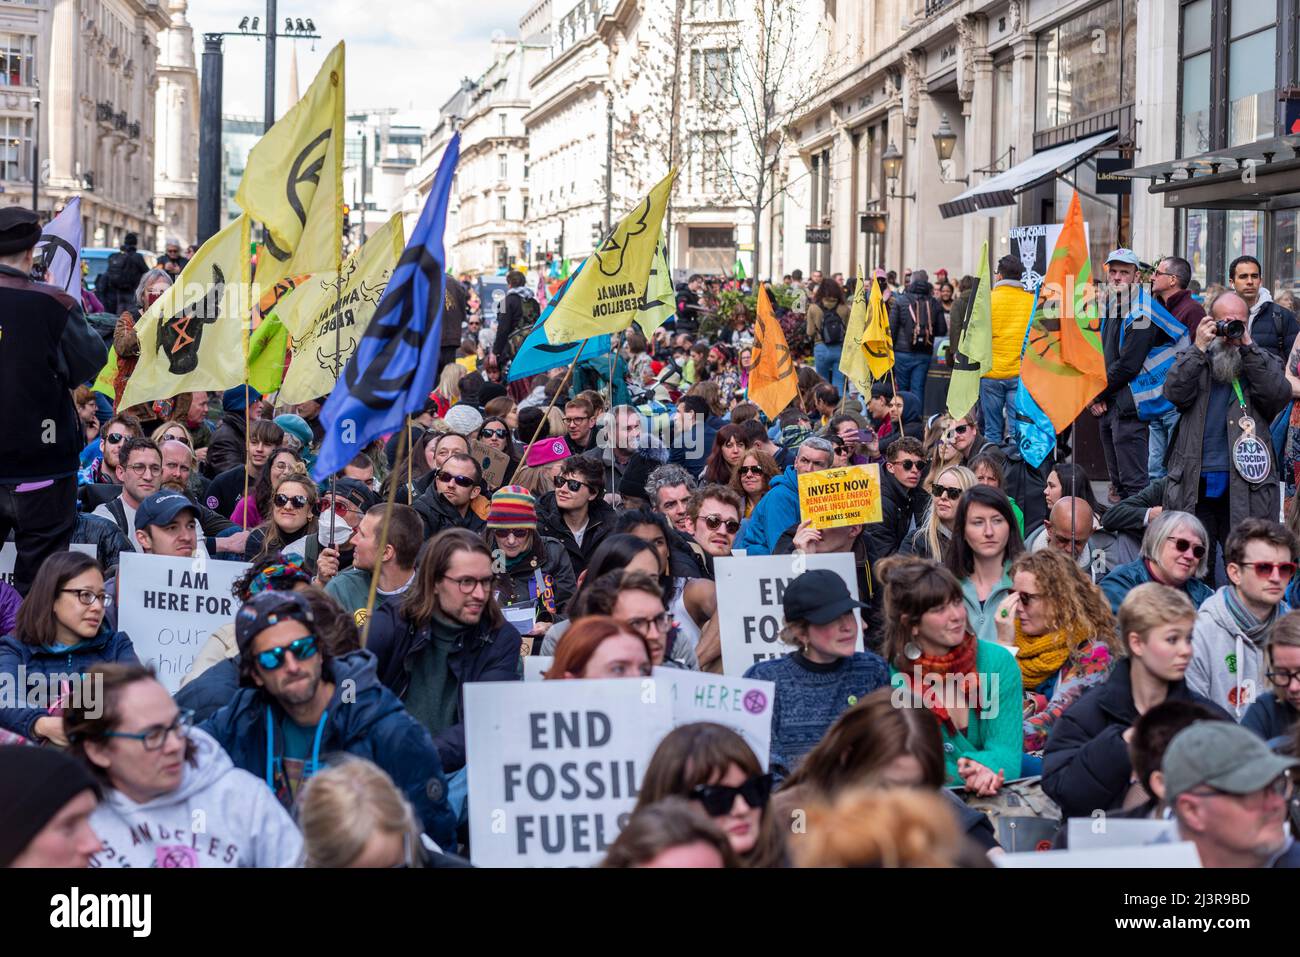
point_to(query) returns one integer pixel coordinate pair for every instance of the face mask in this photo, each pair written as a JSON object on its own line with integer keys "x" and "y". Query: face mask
{"x": 342, "y": 530}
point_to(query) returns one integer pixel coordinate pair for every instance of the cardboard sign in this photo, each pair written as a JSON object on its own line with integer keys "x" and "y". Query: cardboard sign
{"x": 1034, "y": 245}
{"x": 1088, "y": 833}
{"x": 750, "y": 594}
{"x": 494, "y": 463}
{"x": 742, "y": 704}
{"x": 834, "y": 498}
{"x": 9, "y": 557}
{"x": 1180, "y": 854}
{"x": 554, "y": 767}
{"x": 537, "y": 665}
{"x": 169, "y": 607}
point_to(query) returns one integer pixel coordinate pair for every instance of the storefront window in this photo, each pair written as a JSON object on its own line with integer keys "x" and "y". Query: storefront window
{"x": 1086, "y": 64}
{"x": 1195, "y": 230}
{"x": 1244, "y": 236}
{"x": 1196, "y": 105}
{"x": 1101, "y": 215}
{"x": 1251, "y": 88}
{"x": 1284, "y": 276}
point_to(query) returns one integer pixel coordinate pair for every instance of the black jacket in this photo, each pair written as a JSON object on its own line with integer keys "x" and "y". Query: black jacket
{"x": 47, "y": 349}
{"x": 517, "y": 585}
{"x": 600, "y": 521}
{"x": 1124, "y": 365}
{"x": 226, "y": 450}
{"x": 1129, "y": 515}
{"x": 1270, "y": 717}
{"x": 482, "y": 653}
{"x": 918, "y": 301}
{"x": 900, "y": 507}
{"x": 1086, "y": 763}
{"x": 1274, "y": 330}
{"x": 107, "y": 538}
{"x": 868, "y": 591}
{"x": 439, "y": 514}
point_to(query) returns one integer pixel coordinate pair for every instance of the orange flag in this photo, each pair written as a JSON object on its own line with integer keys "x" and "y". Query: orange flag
{"x": 772, "y": 379}
{"x": 1063, "y": 367}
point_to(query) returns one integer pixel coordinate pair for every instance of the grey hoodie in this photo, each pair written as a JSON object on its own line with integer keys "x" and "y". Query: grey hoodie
{"x": 218, "y": 817}
{"x": 1227, "y": 666}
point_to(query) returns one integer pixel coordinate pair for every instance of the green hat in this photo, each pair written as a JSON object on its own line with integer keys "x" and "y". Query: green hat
{"x": 1220, "y": 755}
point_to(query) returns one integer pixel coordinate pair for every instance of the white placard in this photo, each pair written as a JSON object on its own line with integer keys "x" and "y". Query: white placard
{"x": 536, "y": 665}
{"x": 742, "y": 704}
{"x": 554, "y": 767}
{"x": 9, "y": 557}
{"x": 169, "y": 606}
{"x": 750, "y": 591}
{"x": 1033, "y": 246}
{"x": 1088, "y": 834}
{"x": 521, "y": 616}
{"x": 1180, "y": 854}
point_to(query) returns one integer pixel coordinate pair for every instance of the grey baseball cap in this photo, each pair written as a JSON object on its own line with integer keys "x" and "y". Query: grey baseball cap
{"x": 1220, "y": 755}
{"x": 1124, "y": 256}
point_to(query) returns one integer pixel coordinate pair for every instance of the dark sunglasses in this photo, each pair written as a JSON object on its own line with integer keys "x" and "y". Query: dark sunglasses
{"x": 910, "y": 465}
{"x": 1265, "y": 569}
{"x": 750, "y": 470}
{"x": 962, "y": 429}
{"x": 302, "y": 648}
{"x": 946, "y": 491}
{"x": 297, "y": 501}
{"x": 464, "y": 481}
{"x": 713, "y": 521}
{"x": 719, "y": 800}
{"x": 571, "y": 484}
{"x": 495, "y": 433}
{"x": 115, "y": 438}
{"x": 1183, "y": 544}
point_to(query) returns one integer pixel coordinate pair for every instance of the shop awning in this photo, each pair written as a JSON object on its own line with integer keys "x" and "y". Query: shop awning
{"x": 1260, "y": 176}
{"x": 1001, "y": 189}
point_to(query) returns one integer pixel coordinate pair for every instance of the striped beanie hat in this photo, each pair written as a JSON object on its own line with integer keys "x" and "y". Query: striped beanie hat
{"x": 513, "y": 506}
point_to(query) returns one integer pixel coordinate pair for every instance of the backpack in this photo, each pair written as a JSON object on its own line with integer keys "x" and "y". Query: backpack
{"x": 832, "y": 327}
{"x": 116, "y": 273}
{"x": 1023, "y": 817}
{"x": 913, "y": 305}
{"x": 529, "y": 312}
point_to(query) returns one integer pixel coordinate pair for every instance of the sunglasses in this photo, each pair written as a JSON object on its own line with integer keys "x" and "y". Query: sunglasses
{"x": 946, "y": 491}
{"x": 464, "y": 481}
{"x": 115, "y": 438}
{"x": 1265, "y": 569}
{"x": 962, "y": 429}
{"x": 284, "y": 501}
{"x": 910, "y": 465}
{"x": 495, "y": 433}
{"x": 713, "y": 521}
{"x": 302, "y": 648}
{"x": 749, "y": 470}
{"x": 339, "y": 506}
{"x": 1198, "y": 551}
{"x": 719, "y": 800}
{"x": 572, "y": 485}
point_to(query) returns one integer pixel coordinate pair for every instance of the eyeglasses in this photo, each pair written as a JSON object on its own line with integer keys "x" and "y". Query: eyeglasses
{"x": 1281, "y": 786}
{"x": 464, "y": 481}
{"x": 116, "y": 438}
{"x": 946, "y": 491}
{"x": 1198, "y": 551}
{"x": 495, "y": 433}
{"x": 467, "y": 586}
{"x": 719, "y": 800}
{"x": 513, "y": 534}
{"x": 572, "y": 484}
{"x": 962, "y": 429}
{"x": 154, "y": 738}
{"x": 575, "y": 419}
{"x": 1027, "y": 598}
{"x": 714, "y": 521}
{"x": 749, "y": 470}
{"x": 302, "y": 648}
{"x": 1265, "y": 569}
{"x": 144, "y": 468}
{"x": 1281, "y": 677}
{"x": 642, "y": 626}
{"x": 86, "y": 596}
{"x": 284, "y": 501}
{"x": 338, "y": 505}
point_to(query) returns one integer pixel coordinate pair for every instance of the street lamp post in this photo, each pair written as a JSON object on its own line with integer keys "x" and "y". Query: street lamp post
{"x": 36, "y": 153}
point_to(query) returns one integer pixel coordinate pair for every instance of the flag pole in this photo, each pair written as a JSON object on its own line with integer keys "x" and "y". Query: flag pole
{"x": 555, "y": 398}
{"x": 383, "y": 537}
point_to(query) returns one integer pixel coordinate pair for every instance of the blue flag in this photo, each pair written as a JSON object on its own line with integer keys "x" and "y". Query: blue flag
{"x": 1035, "y": 433}
{"x": 538, "y": 354}
{"x": 395, "y": 365}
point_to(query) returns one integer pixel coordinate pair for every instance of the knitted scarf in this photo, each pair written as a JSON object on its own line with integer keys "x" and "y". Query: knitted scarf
{"x": 959, "y": 661}
{"x": 1250, "y": 626}
{"x": 1041, "y": 657}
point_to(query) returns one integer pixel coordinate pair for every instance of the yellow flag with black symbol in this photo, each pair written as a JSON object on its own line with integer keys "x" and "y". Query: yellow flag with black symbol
{"x": 326, "y": 316}
{"x": 773, "y": 383}
{"x": 853, "y": 359}
{"x": 293, "y": 182}
{"x": 660, "y": 301}
{"x": 607, "y": 295}
{"x": 192, "y": 337}
{"x": 877, "y": 344}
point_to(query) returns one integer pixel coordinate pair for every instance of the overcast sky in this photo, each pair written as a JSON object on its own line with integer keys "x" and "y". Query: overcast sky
{"x": 410, "y": 56}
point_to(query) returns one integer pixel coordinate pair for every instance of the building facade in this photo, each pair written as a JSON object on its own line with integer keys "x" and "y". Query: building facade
{"x": 379, "y": 152}
{"x": 239, "y": 134}
{"x": 176, "y": 165}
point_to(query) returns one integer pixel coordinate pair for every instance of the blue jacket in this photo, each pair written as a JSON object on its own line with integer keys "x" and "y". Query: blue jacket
{"x": 211, "y": 691}
{"x": 107, "y": 646}
{"x": 1271, "y": 718}
{"x": 371, "y": 723}
{"x": 776, "y": 511}
{"x": 1124, "y": 579}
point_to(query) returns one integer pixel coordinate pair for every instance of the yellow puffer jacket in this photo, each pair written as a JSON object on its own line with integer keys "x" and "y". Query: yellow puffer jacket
{"x": 1011, "y": 305}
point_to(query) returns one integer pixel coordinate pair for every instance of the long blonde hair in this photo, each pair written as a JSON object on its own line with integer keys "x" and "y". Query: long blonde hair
{"x": 930, "y": 529}
{"x": 343, "y": 806}
{"x": 449, "y": 382}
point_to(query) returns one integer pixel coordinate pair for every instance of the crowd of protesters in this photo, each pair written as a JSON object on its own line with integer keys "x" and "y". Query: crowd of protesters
{"x": 1019, "y": 636}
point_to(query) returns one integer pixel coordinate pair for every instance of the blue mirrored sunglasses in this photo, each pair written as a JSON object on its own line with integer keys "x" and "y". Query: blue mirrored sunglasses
{"x": 302, "y": 648}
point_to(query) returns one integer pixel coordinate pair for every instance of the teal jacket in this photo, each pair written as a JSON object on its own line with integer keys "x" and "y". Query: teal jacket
{"x": 981, "y": 616}
{"x": 994, "y": 736}
{"x": 1124, "y": 579}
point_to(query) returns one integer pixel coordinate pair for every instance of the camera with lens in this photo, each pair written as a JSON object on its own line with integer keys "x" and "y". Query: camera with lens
{"x": 1229, "y": 328}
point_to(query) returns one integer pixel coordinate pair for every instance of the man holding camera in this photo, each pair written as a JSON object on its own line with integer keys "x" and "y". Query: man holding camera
{"x": 1222, "y": 467}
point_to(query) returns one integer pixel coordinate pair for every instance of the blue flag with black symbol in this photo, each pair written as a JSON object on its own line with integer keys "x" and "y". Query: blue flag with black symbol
{"x": 1034, "y": 432}
{"x": 393, "y": 369}
{"x": 538, "y": 354}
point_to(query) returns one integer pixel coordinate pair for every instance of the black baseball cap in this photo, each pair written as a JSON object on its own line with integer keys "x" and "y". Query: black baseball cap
{"x": 160, "y": 508}
{"x": 353, "y": 490}
{"x": 269, "y": 608}
{"x": 818, "y": 596}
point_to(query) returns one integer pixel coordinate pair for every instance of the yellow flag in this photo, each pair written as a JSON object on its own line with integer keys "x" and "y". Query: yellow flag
{"x": 773, "y": 384}
{"x": 192, "y": 338}
{"x": 293, "y": 181}
{"x": 877, "y": 345}
{"x": 853, "y": 360}
{"x": 607, "y": 294}
{"x": 660, "y": 300}
{"x": 312, "y": 313}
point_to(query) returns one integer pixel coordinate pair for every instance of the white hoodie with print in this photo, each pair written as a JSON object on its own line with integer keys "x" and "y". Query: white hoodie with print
{"x": 220, "y": 816}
